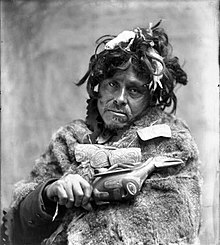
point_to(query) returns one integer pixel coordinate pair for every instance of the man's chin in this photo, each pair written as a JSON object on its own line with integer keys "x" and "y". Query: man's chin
{"x": 115, "y": 124}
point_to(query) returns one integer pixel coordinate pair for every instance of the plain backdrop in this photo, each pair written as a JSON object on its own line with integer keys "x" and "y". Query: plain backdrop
{"x": 45, "y": 49}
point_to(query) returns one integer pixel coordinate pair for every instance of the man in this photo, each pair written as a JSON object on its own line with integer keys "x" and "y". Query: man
{"x": 130, "y": 83}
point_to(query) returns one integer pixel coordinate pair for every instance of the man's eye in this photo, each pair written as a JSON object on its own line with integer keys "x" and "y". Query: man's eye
{"x": 134, "y": 91}
{"x": 112, "y": 84}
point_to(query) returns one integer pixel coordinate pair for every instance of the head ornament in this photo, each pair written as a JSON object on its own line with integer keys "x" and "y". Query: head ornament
{"x": 126, "y": 38}
{"x": 149, "y": 52}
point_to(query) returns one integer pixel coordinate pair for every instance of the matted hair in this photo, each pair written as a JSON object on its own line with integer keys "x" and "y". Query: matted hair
{"x": 105, "y": 63}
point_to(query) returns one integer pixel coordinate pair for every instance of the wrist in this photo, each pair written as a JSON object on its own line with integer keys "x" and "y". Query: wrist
{"x": 48, "y": 204}
{"x": 45, "y": 195}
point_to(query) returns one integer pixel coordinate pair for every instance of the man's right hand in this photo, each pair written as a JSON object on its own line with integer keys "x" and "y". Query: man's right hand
{"x": 70, "y": 190}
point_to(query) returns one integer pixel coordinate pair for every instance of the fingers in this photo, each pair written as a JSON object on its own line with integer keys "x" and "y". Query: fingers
{"x": 61, "y": 194}
{"x": 87, "y": 190}
{"x": 78, "y": 194}
{"x": 82, "y": 193}
{"x": 72, "y": 190}
{"x": 69, "y": 202}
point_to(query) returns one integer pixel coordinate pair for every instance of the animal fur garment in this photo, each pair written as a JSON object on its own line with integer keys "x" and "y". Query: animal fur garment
{"x": 167, "y": 211}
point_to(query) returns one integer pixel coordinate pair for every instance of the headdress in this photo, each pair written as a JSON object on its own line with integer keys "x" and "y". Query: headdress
{"x": 128, "y": 37}
{"x": 149, "y": 52}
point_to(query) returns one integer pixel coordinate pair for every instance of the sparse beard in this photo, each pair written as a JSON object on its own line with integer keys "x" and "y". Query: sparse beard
{"x": 116, "y": 124}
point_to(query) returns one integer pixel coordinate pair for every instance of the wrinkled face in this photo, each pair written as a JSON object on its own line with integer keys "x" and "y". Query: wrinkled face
{"x": 122, "y": 98}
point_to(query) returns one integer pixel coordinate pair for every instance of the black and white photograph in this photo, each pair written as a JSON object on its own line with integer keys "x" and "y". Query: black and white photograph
{"x": 110, "y": 122}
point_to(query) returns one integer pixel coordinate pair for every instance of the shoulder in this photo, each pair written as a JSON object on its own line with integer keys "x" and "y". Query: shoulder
{"x": 180, "y": 140}
{"x": 77, "y": 124}
{"x": 155, "y": 116}
{"x": 76, "y": 128}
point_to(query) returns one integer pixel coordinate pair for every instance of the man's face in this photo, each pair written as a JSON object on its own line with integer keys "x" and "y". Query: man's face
{"x": 122, "y": 98}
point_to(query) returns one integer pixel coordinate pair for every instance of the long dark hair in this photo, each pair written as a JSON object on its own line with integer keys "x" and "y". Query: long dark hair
{"x": 105, "y": 63}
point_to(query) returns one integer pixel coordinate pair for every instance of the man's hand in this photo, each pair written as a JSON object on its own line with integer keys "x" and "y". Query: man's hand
{"x": 71, "y": 190}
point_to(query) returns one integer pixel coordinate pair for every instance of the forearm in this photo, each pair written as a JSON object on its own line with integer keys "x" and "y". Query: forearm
{"x": 34, "y": 217}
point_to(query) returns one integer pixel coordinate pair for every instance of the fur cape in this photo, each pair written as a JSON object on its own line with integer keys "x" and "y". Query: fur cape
{"x": 167, "y": 211}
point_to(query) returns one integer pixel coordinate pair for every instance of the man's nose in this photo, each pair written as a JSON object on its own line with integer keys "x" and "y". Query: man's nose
{"x": 121, "y": 98}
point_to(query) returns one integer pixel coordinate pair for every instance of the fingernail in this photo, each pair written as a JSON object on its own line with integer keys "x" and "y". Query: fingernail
{"x": 87, "y": 207}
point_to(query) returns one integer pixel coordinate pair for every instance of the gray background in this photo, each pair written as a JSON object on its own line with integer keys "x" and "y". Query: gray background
{"x": 45, "y": 49}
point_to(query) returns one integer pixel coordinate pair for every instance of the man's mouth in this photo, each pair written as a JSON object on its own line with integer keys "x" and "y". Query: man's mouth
{"x": 119, "y": 113}
{"x": 113, "y": 117}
